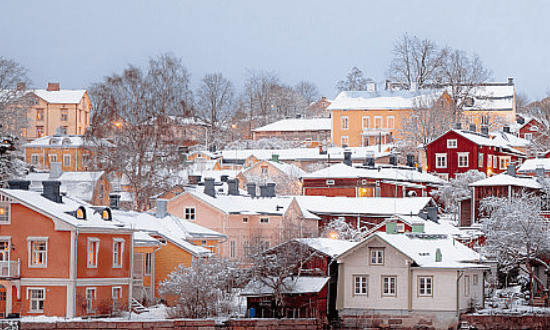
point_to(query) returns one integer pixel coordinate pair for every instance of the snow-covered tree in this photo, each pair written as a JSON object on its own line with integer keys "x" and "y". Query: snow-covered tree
{"x": 14, "y": 101}
{"x": 340, "y": 229}
{"x": 205, "y": 289}
{"x": 457, "y": 188}
{"x": 12, "y": 165}
{"x": 355, "y": 81}
{"x": 517, "y": 234}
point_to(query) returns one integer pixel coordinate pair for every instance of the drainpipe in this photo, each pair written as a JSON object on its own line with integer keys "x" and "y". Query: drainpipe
{"x": 131, "y": 258}
{"x": 329, "y": 283}
{"x": 153, "y": 272}
{"x": 74, "y": 270}
{"x": 459, "y": 276}
{"x": 410, "y": 286}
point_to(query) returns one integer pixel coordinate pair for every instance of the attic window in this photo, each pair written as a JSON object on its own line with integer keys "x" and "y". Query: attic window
{"x": 330, "y": 182}
{"x": 5, "y": 213}
{"x": 66, "y": 141}
{"x": 53, "y": 141}
{"x": 81, "y": 213}
{"x": 534, "y": 128}
{"x": 400, "y": 227}
{"x": 106, "y": 215}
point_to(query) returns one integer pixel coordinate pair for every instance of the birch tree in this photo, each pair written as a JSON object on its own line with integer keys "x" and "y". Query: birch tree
{"x": 215, "y": 101}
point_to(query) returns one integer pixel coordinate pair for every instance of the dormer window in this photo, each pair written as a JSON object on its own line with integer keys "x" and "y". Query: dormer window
{"x": 81, "y": 213}
{"x": 4, "y": 213}
{"x": 106, "y": 215}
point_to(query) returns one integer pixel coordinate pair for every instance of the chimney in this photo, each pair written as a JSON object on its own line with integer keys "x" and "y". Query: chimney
{"x": 432, "y": 213}
{"x": 162, "y": 208}
{"x": 472, "y": 127}
{"x": 55, "y": 170}
{"x": 251, "y": 188}
{"x": 209, "y": 187}
{"x": 271, "y": 189}
{"x": 19, "y": 184}
{"x": 511, "y": 170}
{"x": 51, "y": 190}
{"x": 275, "y": 158}
{"x": 21, "y": 86}
{"x": 410, "y": 160}
{"x": 224, "y": 178}
{"x": 539, "y": 171}
{"x": 458, "y": 125}
{"x": 506, "y": 129}
{"x": 485, "y": 131}
{"x": 511, "y": 81}
{"x": 194, "y": 179}
{"x": 114, "y": 201}
{"x": 347, "y": 158}
{"x": 263, "y": 191}
{"x": 371, "y": 86}
{"x": 369, "y": 161}
{"x": 53, "y": 87}
{"x": 393, "y": 160}
{"x": 233, "y": 187}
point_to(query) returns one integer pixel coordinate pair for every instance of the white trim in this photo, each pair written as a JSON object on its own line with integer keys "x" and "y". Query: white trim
{"x": 443, "y": 156}
{"x": 96, "y": 253}
{"x": 460, "y": 156}
{"x": 81, "y": 282}
{"x": 31, "y": 240}
{"x": 113, "y": 289}
{"x": 90, "y": 299}
{"x": 7, "y": 206}
{"x": 388, "y": 122}
{"x": 120, "y": 253}
{"x": 452, "y": 143}
{"x": 29, "y": 300}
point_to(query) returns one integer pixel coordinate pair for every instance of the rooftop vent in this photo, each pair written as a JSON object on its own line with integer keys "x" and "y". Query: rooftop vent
{"x": 19, "y": 184}
{"x": 162, "y": 207}
{"x": 347, "y": 158}
{"x": 233, "y": 187}
{"x": 251, "y": 188}
{"x": 51, "y": 191}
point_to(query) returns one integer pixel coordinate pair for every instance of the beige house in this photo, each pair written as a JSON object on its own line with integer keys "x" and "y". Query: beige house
{"x": 247, "y": 221}
{"x": 287, "y": 176}
{"x": 419, "y": 278}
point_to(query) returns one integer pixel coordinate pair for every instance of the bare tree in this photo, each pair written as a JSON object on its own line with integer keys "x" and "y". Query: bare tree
{"x": 130, "y": 108}
{"x": 14, "y": 99}
{"x": 354, "y": 81}
{"x": 215, "y": 100}
{"x": 259, "y": 94}
{"x": 308, "y": 90}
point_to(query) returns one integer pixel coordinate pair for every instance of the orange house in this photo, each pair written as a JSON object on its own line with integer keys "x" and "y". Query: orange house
{"x": 61, "y": 257}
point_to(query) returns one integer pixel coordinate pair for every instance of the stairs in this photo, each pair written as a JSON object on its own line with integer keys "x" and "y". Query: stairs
{"x": 137, "y": 307}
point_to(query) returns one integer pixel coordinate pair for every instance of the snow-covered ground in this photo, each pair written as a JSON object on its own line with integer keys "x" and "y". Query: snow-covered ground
{"x": 510, "y": 301}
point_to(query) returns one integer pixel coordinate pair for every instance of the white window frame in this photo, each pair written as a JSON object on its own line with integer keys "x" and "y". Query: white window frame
{"x": 463, "y": 159}
{"x": 443, "y": 162}
{"x": 34, "y": 159}
{"x": 503, "y": 162}
{"x": 376, "y": 256}
{"x": 31, "y": 299}
{"x": 190, "y": 213}
{"x": 360, "y": 285}
{"x": 264, "y": 220}
{"x": 33, "y": 253}
{"x": 467, "y": 285}
{"x": 116, "y": 294}
{"x": 245, "y": 219}
{"x": 233, "y": 249}
{"x": 148, "y": 264}
{"x": 376, "y": 120}
{"x": 425, "y": 286}
{"x": 475, "y": 280}
{"x": 91, "y": 296}
{"x": 365, "y": 122}
{"x": 489, "y": 160}
{"x": 528, "y": 136}
{"x": 5, "y": 213}
{"x": 400, "y": 227}
{"x": 390, "y": 119}
{"x": 480, "y": 160}
{"x": 118, "y": 254}
{"x": 389, "y": 288}
{"x": 452, "y": 144}
{"x": 53, "y": 158}
{"x": 444, "y": 176}
{"x": 344, "y": 140}
{"x": 344, "y": 120}
{"x": 89, "y": 252}
{"x": 65, "y": 158}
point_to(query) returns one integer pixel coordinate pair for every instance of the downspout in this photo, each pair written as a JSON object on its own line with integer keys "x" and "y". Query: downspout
{"x": 74, "y": 271}
{"x": 459, "y": 276}
{"x": 131, "y": 257}
{"x": 153, "y": 272}
{"x": 329, "y": 284}
{"x": 410, "y": 286}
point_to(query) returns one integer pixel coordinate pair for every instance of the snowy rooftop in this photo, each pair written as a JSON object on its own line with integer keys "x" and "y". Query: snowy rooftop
{"x": 384, "y": 173}
{"x": 80, "y": 185}
{"x": 492, "y": 97}
{"x": 430, "y": 227}
{"x": 302, "y": 284}
{"x": 328, "y": 246}
{"x": 288, "y": 169}
{"x": 531, "y": 165}
{"x": 62, "y": 96}
{"x": 481, "y": 140}
{"x": 65, "y": 141}
{"x": 363, "y": 100}
{"x": 246, "y": 204}
{"x": 509, "y": 139}
{"x": 286, "y": 125}
{"x": 504, "y": 179}
{"x": 376, "y": 206}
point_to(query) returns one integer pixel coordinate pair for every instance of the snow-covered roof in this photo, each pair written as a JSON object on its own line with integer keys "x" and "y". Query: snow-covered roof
{"x": 509, "y": 139}
{"x": 335, "y": 153}
{"x": 292, "y": 285}
{"x": 65, "y": 141}
{"x": 80, "y": 185}
{"x": 36, "y": 201}
{"x": 173, "y": 228}
{"x": 481, "y": 140}
{"x": 503, "y": 179}
{"x": 490, "y": 97}
{"x": 329, "y": 246}
{"x": 430, "y": 227}
{"x": 422, "y": 250}
{"x": 531, "y": 165}
{"x": 375, "y": 206}
{"x": 288, "y": 169}
{"x": 364, "y": 100}
{"x": 379, "y": 172}
{"x": 291, "y": 125}
{"x": 61, "y": 96}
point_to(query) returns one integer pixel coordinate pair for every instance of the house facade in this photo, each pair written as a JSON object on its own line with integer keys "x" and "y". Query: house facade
{"x": 417, "y": 278}
{"x": 309, "y": 132}
{"x": 286, "y": 175}
{"x": 62, "y": 257}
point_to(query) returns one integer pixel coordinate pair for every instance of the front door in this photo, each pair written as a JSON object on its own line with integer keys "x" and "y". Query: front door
{"x": 2, "y": 301}
{"x": 4, "y": 258}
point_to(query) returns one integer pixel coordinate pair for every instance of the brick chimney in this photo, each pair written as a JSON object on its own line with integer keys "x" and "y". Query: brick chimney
{"x": 21, "y": 86}
{"x": 53, "y": 87}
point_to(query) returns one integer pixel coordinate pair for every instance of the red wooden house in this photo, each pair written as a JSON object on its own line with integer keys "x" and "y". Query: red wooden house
{"x": 533, "y": 129}
{"x": 458, "y": 151}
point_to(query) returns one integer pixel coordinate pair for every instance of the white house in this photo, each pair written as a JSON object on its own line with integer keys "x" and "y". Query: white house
{"x": 409, "y": 279}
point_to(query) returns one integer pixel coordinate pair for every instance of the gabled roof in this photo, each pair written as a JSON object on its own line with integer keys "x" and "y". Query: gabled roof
{"x": 364, "y": 100}
{"x": 66, "y": 141}
{"x": 493, "y": 97}
{"x": 430, "y": 227}
{"x": 292, "y": 285}
{"x": 288, "y": 169}
{"x": 291, "y": 125}
{"x": 79, "y": 185}
{"x": 504, "y": 179}
{"x": 482, "y": 140}
{"x": 328, "y": 246}
{"x": 421, "y": 249}
{"x": 62, "y": 96}
{"x": 531, "y": 165}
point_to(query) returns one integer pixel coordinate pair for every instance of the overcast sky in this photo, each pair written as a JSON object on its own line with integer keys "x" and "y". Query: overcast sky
{"x": 77, "y": 43}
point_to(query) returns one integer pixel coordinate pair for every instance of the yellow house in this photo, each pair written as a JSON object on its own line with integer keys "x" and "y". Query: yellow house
{"x": 53, "y": 110}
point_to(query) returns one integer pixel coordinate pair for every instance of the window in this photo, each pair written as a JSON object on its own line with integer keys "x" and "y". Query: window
{"x": 480, "y": 160}
{"x": 64, "y": 115}
{"x": 233, "y": 249}
{"x": 440, "y": 160}
{"x": 489, "y": 161}
{"x": 245, "y": 220}
{"x": 38, "y": 251}
{"x": 36, "y": 298}
{"x": 467, "y": 285}
{"x": 425, "y": 286}
{"x": 378, "y": 122}
{"x": 528, "y": 136}
{"x": 118, "y": 251}
{"x": 148, "y": 264}
{"x": 34, "y": 159}
{"x": 377, "y": 256}
{"x": 345, "y": 122}
{"x": 366, "y": 122}
{"x": 504, "y": 161}
{"x": 401, "y": 227}
{"x": 389, "y": 286}
{"x": 116, "y": 294}
{"x": 91, "y": 294}
{"x": 330, "y": 182}
{"x": 264, "y": 170}
{"x": 93, "y": 251}
{"x": 5, "y": 213}
{"x": 53, "y": 158}
{"x": 391, "y": 122}
{"x": 444, "y": 176}
{"x": 360, "y": 284}
{"x": 264, "y": 245}
{"x": 189, "y": 213}
{"x": 451, "y": 144}
{"x": 475, "y": 280}
{"x": 39, "y": 114}
{"x": 344, "y": 140}
{"x": 39, "y": 131}
{"x": 66, "y": 160}
{"x": 246, "y": 249}
{"x": 264, "y": 220}
{"x": 463, "y": 159}
{"x": 64, "y": 130}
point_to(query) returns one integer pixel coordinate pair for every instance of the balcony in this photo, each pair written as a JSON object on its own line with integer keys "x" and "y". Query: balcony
{"x": 10, "y": 269}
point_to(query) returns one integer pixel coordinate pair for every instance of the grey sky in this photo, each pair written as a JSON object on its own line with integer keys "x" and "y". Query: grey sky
{"x": 79, "y": 42}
